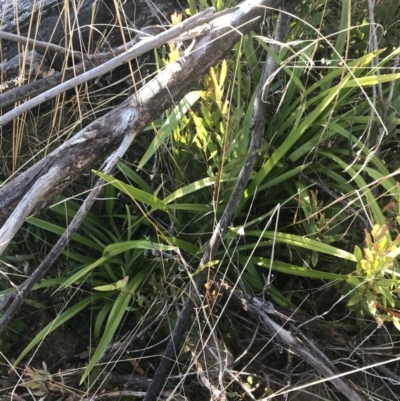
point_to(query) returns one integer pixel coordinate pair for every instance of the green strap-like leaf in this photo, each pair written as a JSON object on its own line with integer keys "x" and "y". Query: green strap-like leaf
{"x": 307, "y": 243}
{"x": 171, "y": 122}
{"x": 114, "y": 320}
{"x": 135, "y": 193}
{"x": 57, "y": 322}
{"x": 293, "y": 270}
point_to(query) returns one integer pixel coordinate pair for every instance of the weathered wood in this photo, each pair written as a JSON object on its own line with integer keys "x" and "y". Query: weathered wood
{"x": 49, "y": 21}
{"x": 84, "y": 30}
{"x": 114, "y": 60}
{"x": 93, "y": 143}
{"x": 306, "y": 350}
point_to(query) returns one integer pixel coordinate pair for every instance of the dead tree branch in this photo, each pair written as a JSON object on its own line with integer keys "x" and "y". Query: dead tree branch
{"x": 41, "y": 45}
{"x": 45, "y": 84}
{"x": 137, "y": 50}
{"x": 40, "y": 20}
{"x": 307, "y": 351}
{"x": 34, "y": 189}
{"x": 257, "y": 133}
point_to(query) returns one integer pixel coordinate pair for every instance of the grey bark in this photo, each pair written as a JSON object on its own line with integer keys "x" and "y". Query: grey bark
{"x": 103, "y": 136}
{"x": 301, "y": 347}
{"x": 49, "y": 22}
{"x": 112, "y": 63}
{"x": 257, "y": 133}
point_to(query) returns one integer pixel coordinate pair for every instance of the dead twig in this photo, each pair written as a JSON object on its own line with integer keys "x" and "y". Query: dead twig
{"x": 42, "y": 45}
{"x": 304, "y": 349}
{"x": 23, "y": 290}
{"x": 137, "y": 50}
{"x": 250, "y": 9}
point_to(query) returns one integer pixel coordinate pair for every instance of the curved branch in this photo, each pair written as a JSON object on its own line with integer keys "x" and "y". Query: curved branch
{"x": 137, "y": 50}
{"x": 257, "y": 133}
{"x": 21, "y": 197}
{"x": 43, "y": 45}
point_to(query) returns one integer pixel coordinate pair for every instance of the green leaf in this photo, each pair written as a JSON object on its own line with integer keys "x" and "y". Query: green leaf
{"x": 110, "y": 252}
{"x": 181, "y": 244}
{"x": 134, "y": 176}
{"x": 358, "y": 253}
{"x": 35, "y": 304}
{"x": 53, "y": 228}
{"x": 101, "y": 317}
{"x": 170, "y": 124}
{"x": 195, "y": 186}
{"x": 106, "y": 287}
{"x": 120, "y": 247}
{"x": 57, "y": 322}
{"x": 388, "y": 296}
{"x": 314, "y": 258}
{"x": 302, "y": 242}
{"x": 355, "y": 299}
{"x": 205, "y": 266}
{"x": 353, "y": 281}
{"x": 372, "y": 80}
{"x": 135, "y": 193}
{"x": 287, "y": 268}
{"x": 114, "y": 320}
{"x": 81, "y": 274}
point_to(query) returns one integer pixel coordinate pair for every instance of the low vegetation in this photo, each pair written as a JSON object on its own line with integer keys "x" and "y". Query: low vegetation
{"x": 315, "y": 238}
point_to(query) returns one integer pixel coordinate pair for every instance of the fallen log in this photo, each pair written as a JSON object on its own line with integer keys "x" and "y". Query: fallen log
{"x": 79, "y": 25}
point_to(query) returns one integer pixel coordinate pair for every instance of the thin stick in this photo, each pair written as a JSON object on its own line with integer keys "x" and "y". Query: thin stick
{"x": 137, "y": 50}
{"x": 20, "y": 295}
{"x": 43, "y": 45}
{"x": 304, "y": 349}
{"x": 229, "y": 212}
